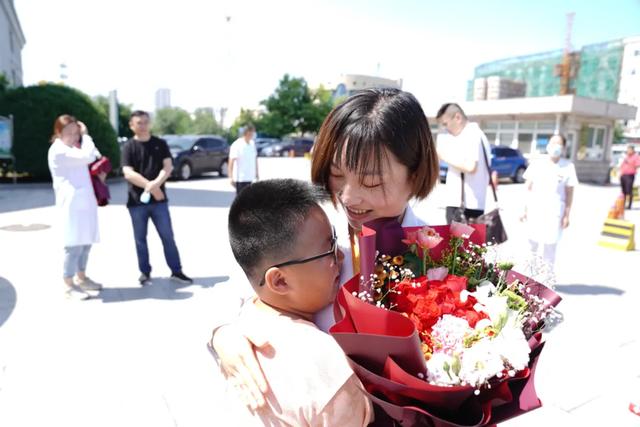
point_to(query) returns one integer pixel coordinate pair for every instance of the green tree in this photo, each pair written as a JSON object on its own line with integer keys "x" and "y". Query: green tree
{"x": 172, "y": 121}
{"x": 35, "y": 108}
{"x": 4, "y": 83}
{"x": 293, "y": 107}
{"x": 204, "y": 122}
{"x": 124, "y": 112}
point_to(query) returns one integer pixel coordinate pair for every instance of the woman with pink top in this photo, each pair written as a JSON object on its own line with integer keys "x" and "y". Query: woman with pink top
{"x": 628, "y": 168}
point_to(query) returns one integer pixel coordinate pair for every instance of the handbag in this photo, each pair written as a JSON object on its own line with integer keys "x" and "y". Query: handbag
{"x": 100, "y": 189}
{"x": 495, "y": 231}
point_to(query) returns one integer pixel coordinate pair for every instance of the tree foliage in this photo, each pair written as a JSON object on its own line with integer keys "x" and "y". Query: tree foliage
{"x": 172, "y": 121}
{"x": 124, "y": 112}
{"x": 35, "y": 108}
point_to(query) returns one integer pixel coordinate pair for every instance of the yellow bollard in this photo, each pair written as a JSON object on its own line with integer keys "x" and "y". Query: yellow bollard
{"x": 618, "y": 234}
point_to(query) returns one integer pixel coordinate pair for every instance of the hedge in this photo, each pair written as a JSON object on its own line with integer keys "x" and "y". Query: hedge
{"x": 34, "y": 110}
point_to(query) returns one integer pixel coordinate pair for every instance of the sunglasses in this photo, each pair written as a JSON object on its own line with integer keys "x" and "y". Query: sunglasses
{"x": 333, "y": 251}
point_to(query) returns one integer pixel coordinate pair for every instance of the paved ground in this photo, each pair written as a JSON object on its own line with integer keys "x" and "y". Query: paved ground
{"x": 136, "y": 356}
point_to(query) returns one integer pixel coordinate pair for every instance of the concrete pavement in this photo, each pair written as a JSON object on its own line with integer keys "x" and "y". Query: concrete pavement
{"x": 136, "y": 356}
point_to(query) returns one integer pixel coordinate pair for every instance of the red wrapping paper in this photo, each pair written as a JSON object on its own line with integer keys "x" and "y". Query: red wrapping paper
{"x": 384, "y": 350}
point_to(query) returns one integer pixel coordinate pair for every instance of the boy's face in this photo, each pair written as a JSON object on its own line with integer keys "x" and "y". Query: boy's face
{"x": 311, "y": 286}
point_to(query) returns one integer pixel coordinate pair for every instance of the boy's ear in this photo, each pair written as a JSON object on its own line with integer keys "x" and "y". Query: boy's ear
{"x": 276, "y": 280}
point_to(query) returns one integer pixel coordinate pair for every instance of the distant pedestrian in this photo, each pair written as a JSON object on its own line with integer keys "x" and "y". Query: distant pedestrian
{"x": 628, "y": 168}
{"x": 71, "y": 152}
{"x": 243, "y": 160}
{"x": 550, "y": 183}
{"x": 147, "y": 163}
{"x": 463, "y": 146}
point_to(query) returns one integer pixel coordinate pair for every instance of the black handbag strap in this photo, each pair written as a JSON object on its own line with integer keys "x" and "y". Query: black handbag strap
{"x": 462, "y": 204}
{"x": 486, "y": 162}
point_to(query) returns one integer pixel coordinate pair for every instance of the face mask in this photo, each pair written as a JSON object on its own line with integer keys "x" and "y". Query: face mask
{"x": 554, "y": 150}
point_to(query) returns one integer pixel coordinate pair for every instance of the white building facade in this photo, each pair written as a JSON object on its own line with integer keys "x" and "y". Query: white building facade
{"x": 629, "y": 92}
{"x": 12, "y": 41}
{"x": 163, "y": 99}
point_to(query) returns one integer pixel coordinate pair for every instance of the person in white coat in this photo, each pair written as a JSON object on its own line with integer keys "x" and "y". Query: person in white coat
{"x": 71, "y": 152}
{"x": 374, "y": 153}
{"x": 550, "y": 182}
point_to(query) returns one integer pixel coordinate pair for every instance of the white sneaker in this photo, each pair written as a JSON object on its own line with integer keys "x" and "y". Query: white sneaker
{"x": 75, "y": 293}
{"x": 87, "y": 284}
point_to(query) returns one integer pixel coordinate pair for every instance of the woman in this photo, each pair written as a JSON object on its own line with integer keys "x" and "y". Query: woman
{"x": 628, "y": 168}
{"x": 70, "y": 154}
{"x": 374, "y": 153}
{"x": 550, "y": 183}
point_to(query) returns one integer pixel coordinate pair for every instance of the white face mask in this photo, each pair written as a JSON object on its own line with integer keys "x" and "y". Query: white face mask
{"x": 554, "y": 150}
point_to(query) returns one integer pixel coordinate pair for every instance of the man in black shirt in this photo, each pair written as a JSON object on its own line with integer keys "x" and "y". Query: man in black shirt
{"x": 147, "y": 164}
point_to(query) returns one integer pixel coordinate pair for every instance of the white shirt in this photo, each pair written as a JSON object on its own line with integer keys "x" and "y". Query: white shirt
{"x": 75, "y": 199}
{"x": 546, "y": 204}
{"x": 468, "y": 146}
{"x": 245, "y": 155}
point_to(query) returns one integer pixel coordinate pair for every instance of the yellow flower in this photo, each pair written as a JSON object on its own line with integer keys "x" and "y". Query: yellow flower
{"x": 398, "y": 260}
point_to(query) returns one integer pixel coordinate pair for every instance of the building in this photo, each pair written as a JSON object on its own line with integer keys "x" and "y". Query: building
{"x": 630, "y": 85}
{"x": 496, "y": 87}
{"x": 348, "y": 84}
{"x": 528, "y": 123}
{"x": 163, "y": 98}
{"x": 11, "y": 43}
{"x": 607, "y": 71}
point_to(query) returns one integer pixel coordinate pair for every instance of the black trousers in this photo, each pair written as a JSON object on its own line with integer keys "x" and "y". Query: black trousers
{"x": 241, "y": 186}
{"x": 468, "y": 213}
{"x": 626, "y": 182}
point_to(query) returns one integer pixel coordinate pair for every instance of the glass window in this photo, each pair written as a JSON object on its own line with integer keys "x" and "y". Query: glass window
{"x": 546, "y": 125}
{"x": 505, "y": 139}
{"x": 541, "y": 142}
{"x": 524, "y": 142}
{"x": 526, "y": 125}
{"x": 491, "y": 125}
{"x": 491, "y": 137}
{"x": 507, "y": 125}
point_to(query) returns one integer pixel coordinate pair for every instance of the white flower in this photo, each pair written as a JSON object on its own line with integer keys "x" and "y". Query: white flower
{"x": 512, "y": 346}
{"x": 448, "y": 334}
{"x": 480, "y": 363}
{"x": 439, "y": 370}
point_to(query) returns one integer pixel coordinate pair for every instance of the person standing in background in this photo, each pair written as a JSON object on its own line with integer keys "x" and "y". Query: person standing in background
{"x": 71, "y": 152}
{"x": 628, "y": 168}
{"x": 243, "y": 160}
{"x": 461, "y": 147}
{"x": 550, "y": 183}
{"x": 147, "y": 163}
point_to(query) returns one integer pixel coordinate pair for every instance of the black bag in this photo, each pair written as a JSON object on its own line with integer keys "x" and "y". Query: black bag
{"x": 496, "y": 233}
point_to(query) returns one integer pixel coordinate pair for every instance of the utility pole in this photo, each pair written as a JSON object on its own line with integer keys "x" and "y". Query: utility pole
{"x": 113, "y": 110}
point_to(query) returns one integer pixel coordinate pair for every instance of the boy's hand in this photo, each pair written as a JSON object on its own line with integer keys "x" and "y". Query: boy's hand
{"x": 239, "y": 365}
{"x": 157, "y": 194}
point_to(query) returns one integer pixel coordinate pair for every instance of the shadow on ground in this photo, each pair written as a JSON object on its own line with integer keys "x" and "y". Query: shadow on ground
{"x": 588, "y": 290}
{"x": 8, "y": 299}
{"x": 160, "y": 288}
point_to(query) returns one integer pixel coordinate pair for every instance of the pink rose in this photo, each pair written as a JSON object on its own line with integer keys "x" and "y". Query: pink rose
{"x": 459, "y": 229}
{"x": 426, "y": 238}
{"x": 439, "y": 273}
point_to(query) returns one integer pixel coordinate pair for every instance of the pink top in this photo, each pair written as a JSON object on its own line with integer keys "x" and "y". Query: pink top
{"x": 310, "y": 381}
{"x": 629, "y": 164}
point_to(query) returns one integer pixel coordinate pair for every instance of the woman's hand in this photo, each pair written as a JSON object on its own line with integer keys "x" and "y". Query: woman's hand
{"x": 83, "y": 128}
{"x": 240, "y": 366}
{"x": 565, "y": 221}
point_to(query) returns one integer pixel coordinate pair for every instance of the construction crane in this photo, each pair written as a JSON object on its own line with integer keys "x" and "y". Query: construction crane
{"x": 568, "y": 68}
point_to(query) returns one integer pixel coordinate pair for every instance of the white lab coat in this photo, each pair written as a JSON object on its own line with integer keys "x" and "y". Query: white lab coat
{"x": 75, "y": 200}
{"x": 546, "y": 204}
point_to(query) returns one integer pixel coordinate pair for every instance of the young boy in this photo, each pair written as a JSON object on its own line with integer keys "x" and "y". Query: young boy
{"x": 286, "y": 246}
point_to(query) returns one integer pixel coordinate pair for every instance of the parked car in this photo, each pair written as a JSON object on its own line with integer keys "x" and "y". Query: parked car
{"x": 196, "y": 154}
{"x": 263, "y": 142}
{"x": 507, "y": 162}
{"x": 300, "y": 146}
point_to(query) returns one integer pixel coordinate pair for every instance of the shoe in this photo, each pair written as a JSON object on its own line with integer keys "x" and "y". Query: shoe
{"x": 88, "y": 284}
{"x": 144, "y": 279}
{"x": 181, "y": 277}
{"x": 75, "y": 293}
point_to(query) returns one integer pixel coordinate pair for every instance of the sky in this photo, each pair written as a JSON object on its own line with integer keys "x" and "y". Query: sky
{"x": 208, "y": 60}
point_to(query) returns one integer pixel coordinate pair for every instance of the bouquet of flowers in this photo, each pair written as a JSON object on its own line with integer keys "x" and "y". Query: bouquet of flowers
{"x": 438, "y": 334}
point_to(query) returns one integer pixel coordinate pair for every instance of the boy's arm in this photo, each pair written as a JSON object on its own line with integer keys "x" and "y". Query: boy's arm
{"x": 349, "y": 407}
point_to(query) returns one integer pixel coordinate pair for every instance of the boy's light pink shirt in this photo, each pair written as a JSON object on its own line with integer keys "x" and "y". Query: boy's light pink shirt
{"x": 310, "y": 381}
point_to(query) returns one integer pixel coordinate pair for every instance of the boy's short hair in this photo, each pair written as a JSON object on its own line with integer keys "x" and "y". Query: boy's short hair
{"x": 264, "y": 220}
{"x": 139, "y": 113}
{"x": 451, "y": 108}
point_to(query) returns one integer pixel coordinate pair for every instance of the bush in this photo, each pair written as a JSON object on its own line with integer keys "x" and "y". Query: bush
{"x": 35, "y": 109}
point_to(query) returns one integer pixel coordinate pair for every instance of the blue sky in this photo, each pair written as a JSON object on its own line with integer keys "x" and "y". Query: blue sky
{"x": 137, "y": 47}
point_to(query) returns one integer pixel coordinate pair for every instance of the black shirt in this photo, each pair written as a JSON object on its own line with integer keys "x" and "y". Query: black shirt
{"x": 146, "y": 158}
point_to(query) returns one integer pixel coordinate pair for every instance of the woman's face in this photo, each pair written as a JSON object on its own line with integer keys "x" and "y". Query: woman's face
{"x": 70, "y": 134}
{"x": 384, "y": 196}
